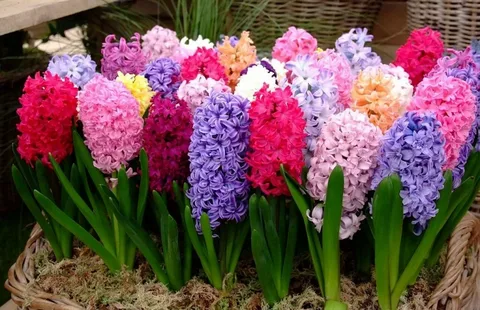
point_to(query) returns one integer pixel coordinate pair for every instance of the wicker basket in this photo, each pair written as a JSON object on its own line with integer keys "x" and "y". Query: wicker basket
{"x": 457, "y": 20}
{"x": 458, "y": 289}
{"x": 330, "y": 19}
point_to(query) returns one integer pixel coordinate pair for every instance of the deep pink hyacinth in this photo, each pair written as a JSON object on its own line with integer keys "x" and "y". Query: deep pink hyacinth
{"x": 294, "y": 42}
{"x": 277, "y": 137}
{"x": 47, "y": 112}
{"x": 205, "y": 61}
{"x": 111, "y": 123}
{"x": 166, "y": 137}
{"x": 123, "y": 56}
{"x": 453, "y": 103}
{"x": 420, "y": 53}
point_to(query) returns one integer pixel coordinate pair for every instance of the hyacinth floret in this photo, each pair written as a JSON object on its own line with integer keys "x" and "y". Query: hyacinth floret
{"x": 163, "y": 76}
{"x": 123, "y": 56}
{"x": 112, "y": 125}
{"x": 253, "y": 80}
{"x": 195, "y": 91}
{"x": 78, "y": 68}
{"x": 294, "y": 42}
{"x": 277, "y": 138}
{"x": 218, "y": 182}
{"x": 352, "y": 46}
{"x": 47, "y": 114}
{"x": 166, "y": 138}
{"x": 160, "y": 42}
{"x": 204, "y": 61}
{"x": 414, "y": 149}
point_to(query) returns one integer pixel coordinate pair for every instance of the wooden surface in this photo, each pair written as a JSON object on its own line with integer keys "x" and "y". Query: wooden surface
{"x": 20, "y": 14}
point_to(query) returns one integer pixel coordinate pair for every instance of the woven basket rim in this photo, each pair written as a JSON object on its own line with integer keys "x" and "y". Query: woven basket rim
{"x": 25, "y": 294}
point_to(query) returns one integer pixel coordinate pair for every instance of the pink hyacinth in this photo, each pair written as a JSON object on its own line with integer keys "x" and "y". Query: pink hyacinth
{"x": 349, "y": 140}
{"x": 123, "y": 56}
{"x": 294, "y": 42}
{"x": 166, "y": 138}
{"x": 342, "y": 74}
{"x": 193, "y": 92}
{"x": 111, "y": 123}
{"x": 454, "y": 105}
{"x": 160, "y": 42}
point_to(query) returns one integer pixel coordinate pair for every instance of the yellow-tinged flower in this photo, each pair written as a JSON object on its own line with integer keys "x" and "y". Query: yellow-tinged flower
{"x": 138, "y": 86}
{"x": 319, "y": 50}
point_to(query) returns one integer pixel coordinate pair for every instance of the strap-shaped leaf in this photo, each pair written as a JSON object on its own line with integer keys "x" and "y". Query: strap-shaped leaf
{"x": 289, "y": 251}
{"x": 396, "y": 226}
{"x": 25, "y": 170}
{"x": 172, "y": 256}
{"x": 211, "y": 254}
{"x": 242, "y": 230}
{"x": 264, "y": 270}
{"x": 78, "y": 231}
{"x": 143, "y": 189}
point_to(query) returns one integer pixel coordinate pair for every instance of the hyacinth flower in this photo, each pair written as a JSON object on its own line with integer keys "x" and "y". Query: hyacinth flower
{"x": 317, "y": 96}
{"x": 294, "y": 42}
{"x": 160, "y": 42}
{"x": 195, "y": 91}
{"x": 420, "y": 53}
{"x": 47, "y": 114}
{"x": 219, "y": 187}
{"x": 78, "y": 68}
{"x": 236, "y": 58}
{"x": 277, "y": 137}
{"x": 350, "y": 141}
{"x": 188, "y": 47}
{"x": 253, "y": 79}
{"x": 352, "y": 45}
{"x": 454, "y": 105}
{"x": 382, "y": 93}
{"x": 138, "y": 86}
{"x": 205, "y": 62}
{"x": 163, "y": 76}
{"x": 123, "y": 56}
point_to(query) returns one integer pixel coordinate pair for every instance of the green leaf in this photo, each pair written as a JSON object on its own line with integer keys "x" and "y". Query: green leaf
{"x": 70, "y": 210}
{"x": 263, "y": 264}
{"x": 143, "y": 190}
{"x": 197, "y": 245}
{"x": 25, "y": 193}
{"x": 143, "y": 242}
{"x": 289, "y": 251}
{"x": 172, "y": 256}
{"x": 78, "y": 231}
{"x": 211, "y": 254}
{"x": 396, "y": 226}
{"x": 43, "y": 184}
{"x": 382, "y": 214}
{"x": 331, "y": 230}
{"x": 242, "y": 231}
{"x": 25, "y": 170}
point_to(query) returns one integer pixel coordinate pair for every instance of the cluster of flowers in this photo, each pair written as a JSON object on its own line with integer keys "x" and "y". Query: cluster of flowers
{"x": 220, "y": 118}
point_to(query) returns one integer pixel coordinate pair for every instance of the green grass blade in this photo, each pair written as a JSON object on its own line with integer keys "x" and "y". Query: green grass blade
{"x": 396, "y": 226}
{"x": 211, "y": 254}
{"x": 263, "y": 264}
{"x": 25, "y": 193}
{"x": 78, "y": 231}
{"x": 289, "y": 251}
{"x": 381, "y": 215}
{"x": 331, "y": 230}
{"x": 143, "y": 189}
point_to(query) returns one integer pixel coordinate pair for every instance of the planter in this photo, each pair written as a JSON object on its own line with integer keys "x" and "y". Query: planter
{"x": 458, "y": 290}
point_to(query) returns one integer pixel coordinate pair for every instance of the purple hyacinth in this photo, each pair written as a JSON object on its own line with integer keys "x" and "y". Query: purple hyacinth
{"x": 218, "y": 183}
{"x": 352, "y": 46}
{"x": 413, "y": 148}
{"x": 78, "y": 68}
{"x": 264, "y": 64}
{"x": 163, "y": 76}
{"x": 459, "y": 170}
{"x": 123, "y": 56}
{"x": 233, "y": 40}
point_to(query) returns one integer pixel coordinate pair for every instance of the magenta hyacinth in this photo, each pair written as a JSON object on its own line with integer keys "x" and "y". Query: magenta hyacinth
{"x": 166, "y": 137}
{"x": 111, "y": 123}
{"x": 123, "y": 56}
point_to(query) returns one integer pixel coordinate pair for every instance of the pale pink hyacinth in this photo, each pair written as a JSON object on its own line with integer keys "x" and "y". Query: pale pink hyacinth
{"x": 342, "y": 74}
{"x": 160, "y": 42}
{"x": 193, "y": 92}
{"x": 294, "y": 42}
{"x": 349, "y": 222}
{"x": 349, "y": 140}
{"x": 111, "y": 123}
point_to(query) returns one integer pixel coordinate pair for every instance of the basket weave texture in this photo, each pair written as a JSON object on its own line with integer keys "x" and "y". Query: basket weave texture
{"x": 457, "y": 20}
{"x": 325, "y": 20}
{"x": 458, "y": 290}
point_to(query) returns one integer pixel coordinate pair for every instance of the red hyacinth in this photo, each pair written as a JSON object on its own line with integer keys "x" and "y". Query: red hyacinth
{"x": 166, "y": 137}
{"x": 205, "y": 61}
{"x": 277, "y": 137}
{"x": 49, "y": 106}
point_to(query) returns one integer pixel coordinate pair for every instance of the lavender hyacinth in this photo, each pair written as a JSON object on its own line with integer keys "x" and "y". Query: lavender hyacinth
{"x": 317, "y": 96}
{"x": 352, "y": 46}
{"x": 78, "y": 68}
{"x": 217, "y": 151}
{"x": 413, "y": 148}
{"x": 164, "y": 76}
{"x": 233, "y": 40}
